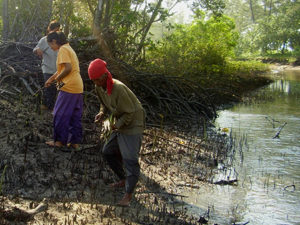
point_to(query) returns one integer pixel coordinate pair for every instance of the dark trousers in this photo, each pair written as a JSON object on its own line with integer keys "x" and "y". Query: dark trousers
{"x": 49, "y": 94}
{"x": 123, "y": 150}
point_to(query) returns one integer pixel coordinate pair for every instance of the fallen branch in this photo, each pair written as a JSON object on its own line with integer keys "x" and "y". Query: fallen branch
{"x": 226, "y": 182}
{"x": 293, "y": 186}
{"x": 241, "y": 223}
{"x": 278, "y": 132}
{"x": 272, "y": 121}
{"x": 27, "y": 86}
{"x": 21, "y": 215}
{"x": 5, "y": 91}
{"x": 161, "y": 193}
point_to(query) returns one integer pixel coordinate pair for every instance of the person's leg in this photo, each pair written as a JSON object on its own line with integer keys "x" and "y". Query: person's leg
{"x": 111, "y": 154}
{"x": 75, "y": 129}
{"x": 62, "y": 113}
{"x": 49, "y": 94}
{"x": 130, "y": 147}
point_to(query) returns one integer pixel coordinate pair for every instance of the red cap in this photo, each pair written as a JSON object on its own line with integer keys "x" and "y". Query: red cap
{"x": 97, "y": 68}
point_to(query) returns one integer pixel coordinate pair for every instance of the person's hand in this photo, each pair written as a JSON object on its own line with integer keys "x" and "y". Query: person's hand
{"x": 39, "y": 52}
{"x": 113, "y": 127}
{"x": 48, "y": 83}
{"x": 99, "y": 117}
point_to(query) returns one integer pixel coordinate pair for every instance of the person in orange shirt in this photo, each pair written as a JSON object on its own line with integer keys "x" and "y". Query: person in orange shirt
{"x": 68, "y": 107}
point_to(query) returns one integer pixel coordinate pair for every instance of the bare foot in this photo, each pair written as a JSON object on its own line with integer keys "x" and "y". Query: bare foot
{"x": 125, "y": 201}
{"x": 54, "y": 144}
{"x": 76, "y": 146}
{"x": 119, "y": 184}
{"x": 43, "y": 107}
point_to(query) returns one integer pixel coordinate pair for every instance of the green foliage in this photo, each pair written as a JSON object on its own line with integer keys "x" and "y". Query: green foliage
{"x": 287, "y": 58}
{"x": 215, "y": 6}
{"x": 128, "y": 28}
{"x": 277, "y": 33}
{"x": 274, "y": 27}
{"x": 74, "y": 17}
{"x": 26, "y": 20}
{"x": 249, "y": 67}
{"x": 199, "y": 48}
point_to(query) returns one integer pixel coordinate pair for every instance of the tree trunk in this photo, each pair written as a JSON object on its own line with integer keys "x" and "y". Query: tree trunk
{"x": 270, "y": 12}
{"x": 97, "y": 29}
{"x": 252, "y": 12}
{"x": 146, "y": 30}
{"x": 68, "y": 11}
{"x": 5, "y": 19}
{"x": 98, "y": 17}
{"x": 108, "y": 7}
{"x": 283, "y": 47}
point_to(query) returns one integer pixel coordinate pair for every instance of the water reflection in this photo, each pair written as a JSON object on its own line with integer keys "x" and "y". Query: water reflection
{"x": 268, "y": 191}
{"x": 281, "y": 85}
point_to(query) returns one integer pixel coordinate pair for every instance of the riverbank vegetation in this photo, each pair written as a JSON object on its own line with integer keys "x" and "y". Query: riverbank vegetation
{"x": 223, "y": 41}
{"x": 204, "y": 51}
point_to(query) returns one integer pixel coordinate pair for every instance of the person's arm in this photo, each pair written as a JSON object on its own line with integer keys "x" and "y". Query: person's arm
{"x": 50, "y": 80}
{"x": 67, "y": 69}
{"x": 102, "y": 111}
{"x": 126, "y": 107}
{"x": 40, "y": 47}
{"x": 38, "y": 52}
{"x": 58, "y": 77}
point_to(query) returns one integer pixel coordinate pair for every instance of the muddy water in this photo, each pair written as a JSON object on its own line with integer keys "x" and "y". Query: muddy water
{"x": 268, "y": 168}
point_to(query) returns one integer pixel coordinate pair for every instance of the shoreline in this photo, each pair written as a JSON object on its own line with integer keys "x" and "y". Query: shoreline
{"x": 280, "y": 67}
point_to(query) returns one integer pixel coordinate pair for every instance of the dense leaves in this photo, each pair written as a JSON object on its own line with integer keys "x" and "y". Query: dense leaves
{"x": 202, "y": 51}
{"x": 25, "y": 20}
{"x": 196, "y": 49}
{"x": 124, "y": 27}
{"x": 266, "y": 26}
{"x": 215, "y": 6}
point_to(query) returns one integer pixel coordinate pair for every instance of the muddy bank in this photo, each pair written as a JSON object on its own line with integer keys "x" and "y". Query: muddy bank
{"x": 74, "y": 185}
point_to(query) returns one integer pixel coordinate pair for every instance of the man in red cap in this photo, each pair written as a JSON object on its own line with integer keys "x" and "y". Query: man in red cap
{"x": 128, "y": 126}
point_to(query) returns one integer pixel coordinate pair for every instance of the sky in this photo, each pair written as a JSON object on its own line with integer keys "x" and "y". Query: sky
{"x": 183, "y": 13}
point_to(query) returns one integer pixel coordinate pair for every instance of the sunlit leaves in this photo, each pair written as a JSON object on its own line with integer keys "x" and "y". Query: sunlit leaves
{"x": 199, "y": 48}
{"x": 275, "y": 29}
{"x": 215, "y": 6}
{"x": 26, "y": 20}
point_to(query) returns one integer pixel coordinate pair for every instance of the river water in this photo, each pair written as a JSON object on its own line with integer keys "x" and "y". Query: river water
{"x": 268, "y": 168}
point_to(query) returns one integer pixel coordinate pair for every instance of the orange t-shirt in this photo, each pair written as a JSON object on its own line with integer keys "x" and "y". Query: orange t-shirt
{"x": 72, "y": 82}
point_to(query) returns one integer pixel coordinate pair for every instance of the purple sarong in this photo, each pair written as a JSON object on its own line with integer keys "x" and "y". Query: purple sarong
{"x": 67, "y": 118}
